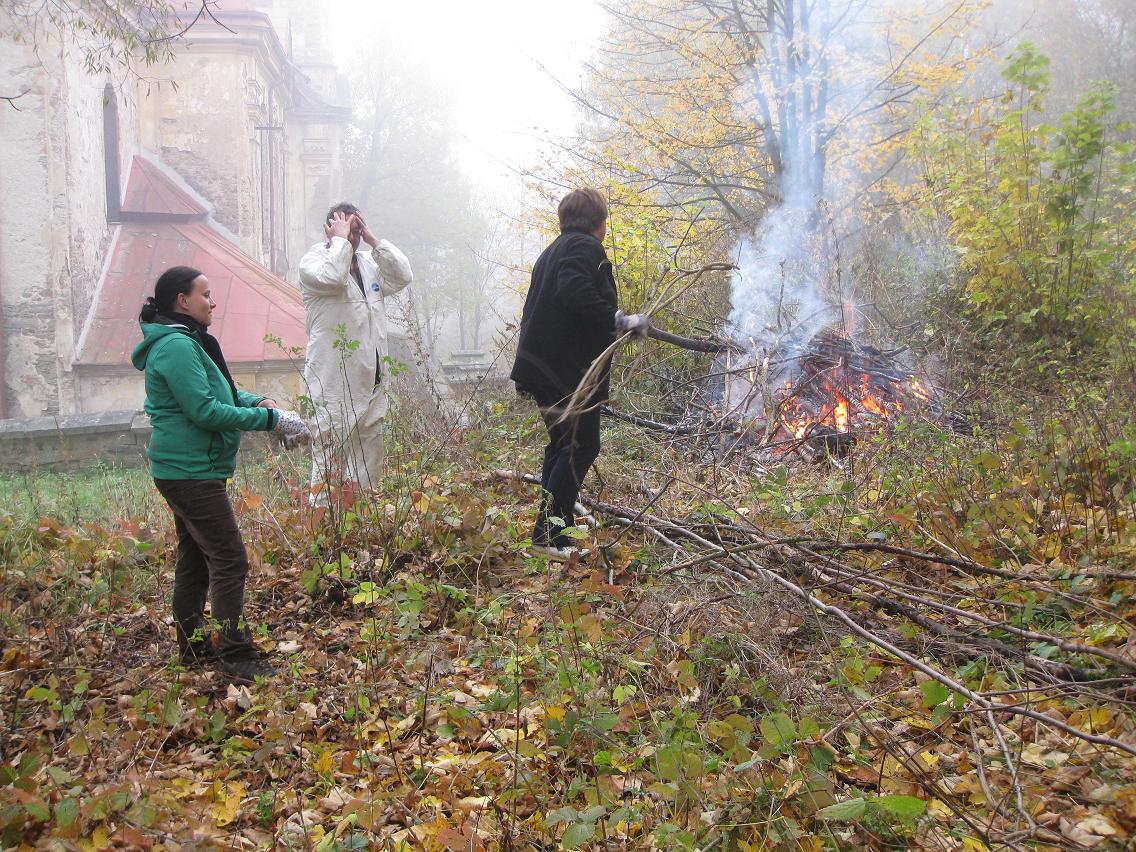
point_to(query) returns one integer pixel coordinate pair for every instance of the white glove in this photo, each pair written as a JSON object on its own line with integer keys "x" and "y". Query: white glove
{"x": 290, "y": 429}
{"x": 637, "y": 323}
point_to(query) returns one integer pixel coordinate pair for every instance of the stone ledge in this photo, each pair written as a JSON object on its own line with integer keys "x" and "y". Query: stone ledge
{"x": 72, "y": 440}
{"x": 69, "y": 424}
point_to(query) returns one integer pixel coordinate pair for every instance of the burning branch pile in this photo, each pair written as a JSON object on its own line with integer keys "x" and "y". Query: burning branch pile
{"x": 841, "y": 385}
{"x": 819, "y": 391}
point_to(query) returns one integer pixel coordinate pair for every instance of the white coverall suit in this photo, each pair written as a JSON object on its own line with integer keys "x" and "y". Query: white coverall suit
{"x": 343, "y": 363}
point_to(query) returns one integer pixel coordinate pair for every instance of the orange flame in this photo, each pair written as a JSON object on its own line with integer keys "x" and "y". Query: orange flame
{"x": 834, "y": 396}
{"x": 840, "y": 414}
{"x": 918, "y": 390}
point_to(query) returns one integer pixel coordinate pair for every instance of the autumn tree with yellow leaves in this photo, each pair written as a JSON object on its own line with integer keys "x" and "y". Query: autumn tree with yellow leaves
{"x": 704, "y": 115}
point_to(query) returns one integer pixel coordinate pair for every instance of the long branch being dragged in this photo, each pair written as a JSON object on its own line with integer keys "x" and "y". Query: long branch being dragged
{"x": 712, "y": 345}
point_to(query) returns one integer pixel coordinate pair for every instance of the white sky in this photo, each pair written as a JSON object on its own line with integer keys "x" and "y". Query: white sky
{"x": 492, "y": 51}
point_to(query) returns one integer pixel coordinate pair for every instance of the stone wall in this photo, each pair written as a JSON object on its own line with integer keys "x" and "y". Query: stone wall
{"x": 116, "y": 438}
{"x": 205, "y": 130}
{"x": 110, "y": 389}
{"x": 76, "y": 440}
{"x": 53, "y": 227}
{"x": 314, "y": 184}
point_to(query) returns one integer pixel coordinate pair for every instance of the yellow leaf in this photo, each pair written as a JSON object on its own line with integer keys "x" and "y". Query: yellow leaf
{"x": 98, "y": 840}
{"x": 939, "y": 810}
{"x": 555, "y": 712}
{"x": 508, "y": 736}
{"x": 325, "y": 763}
{"x": 623, "y": 762}
{"x": 227, "y": 801}
{"x": 973, "y": 844}
{"x": 1035, "y": 755}
{"x": 921, "y": 722}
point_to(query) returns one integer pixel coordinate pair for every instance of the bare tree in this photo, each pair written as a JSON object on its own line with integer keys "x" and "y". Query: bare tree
{"x": 736, "y": 104}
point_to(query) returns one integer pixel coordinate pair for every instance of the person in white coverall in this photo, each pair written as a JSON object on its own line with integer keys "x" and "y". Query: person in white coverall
{"x": 344, "y": 291}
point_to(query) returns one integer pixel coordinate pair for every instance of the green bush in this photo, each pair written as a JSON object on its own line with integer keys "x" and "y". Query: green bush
{"x": 1042, "y": 216}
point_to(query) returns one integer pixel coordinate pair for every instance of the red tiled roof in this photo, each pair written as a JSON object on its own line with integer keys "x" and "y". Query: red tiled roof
{"x": 150, "y": 191}
{"x": 251, "y": 301}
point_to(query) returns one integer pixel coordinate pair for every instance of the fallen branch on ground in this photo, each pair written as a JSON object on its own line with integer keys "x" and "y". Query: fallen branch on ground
{"x": 734, "y": 561}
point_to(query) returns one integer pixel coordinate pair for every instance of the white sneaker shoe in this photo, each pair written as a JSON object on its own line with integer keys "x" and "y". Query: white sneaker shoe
{"x": 558, "y": 554}
{"x": 583, "y": 514}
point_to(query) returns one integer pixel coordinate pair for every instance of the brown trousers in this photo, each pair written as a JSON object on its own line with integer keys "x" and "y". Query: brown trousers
{"x": 211, "y": 563}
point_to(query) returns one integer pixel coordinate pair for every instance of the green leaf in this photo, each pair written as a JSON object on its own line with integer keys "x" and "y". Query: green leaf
{"x": 934, "y": 693}
{"x": 907, "y": 807}
{"x": 822, "y": 757}
{"x": 578, "y": 833}
{"x": 987, "y": 461}
{"x": 66, "y": 812}
{"x": 844, "y": 811}
{"x": 623, "y": 693}
{"x": 592, "y": 813}
{"x": 561, "y": 815}
{"x": 669, "y": 762}
{"x": 740, "y": 723}
{"x": 38, "y": 810}
{"x": 778, "y": 729}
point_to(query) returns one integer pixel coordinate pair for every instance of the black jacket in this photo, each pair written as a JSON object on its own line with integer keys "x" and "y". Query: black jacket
{"x": 569, "y": 318}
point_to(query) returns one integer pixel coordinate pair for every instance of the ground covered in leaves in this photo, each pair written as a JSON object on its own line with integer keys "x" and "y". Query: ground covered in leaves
{"x": 440, "y": 688}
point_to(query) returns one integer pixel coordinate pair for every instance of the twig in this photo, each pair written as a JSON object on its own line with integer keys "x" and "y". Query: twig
{"x": 11, "y": 99}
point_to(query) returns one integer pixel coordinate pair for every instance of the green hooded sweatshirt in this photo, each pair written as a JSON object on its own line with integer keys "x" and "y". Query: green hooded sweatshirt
{"x": 196, "y": 421}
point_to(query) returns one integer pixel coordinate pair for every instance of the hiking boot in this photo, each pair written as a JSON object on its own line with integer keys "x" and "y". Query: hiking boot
{"x": 246, "y": 669}
{"x": 197, "y": 654}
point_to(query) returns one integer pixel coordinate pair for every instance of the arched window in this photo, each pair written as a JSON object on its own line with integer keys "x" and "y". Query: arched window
{"x": 110, "y": 154}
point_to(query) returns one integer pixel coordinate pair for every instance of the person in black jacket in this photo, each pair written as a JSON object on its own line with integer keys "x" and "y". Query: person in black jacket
{"x": 570, "y": 317}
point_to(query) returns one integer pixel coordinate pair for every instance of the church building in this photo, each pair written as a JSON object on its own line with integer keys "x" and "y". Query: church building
{"x": 224, "y": 159}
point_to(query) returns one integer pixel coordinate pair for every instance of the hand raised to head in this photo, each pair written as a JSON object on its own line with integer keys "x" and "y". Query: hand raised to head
{"x": 367, "y": 236}
{"x": 338, "y": 226}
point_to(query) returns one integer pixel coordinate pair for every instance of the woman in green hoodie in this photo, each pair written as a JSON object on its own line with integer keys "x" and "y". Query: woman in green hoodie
{"x": 197, "y": 414}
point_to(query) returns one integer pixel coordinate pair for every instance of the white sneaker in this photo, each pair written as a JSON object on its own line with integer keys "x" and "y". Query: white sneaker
{"x": 583, "y": 514}
{"x": 558, "y": 554}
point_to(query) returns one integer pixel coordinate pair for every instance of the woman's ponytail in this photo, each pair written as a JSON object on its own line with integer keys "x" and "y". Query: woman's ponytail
{"x": 149, "y": 310}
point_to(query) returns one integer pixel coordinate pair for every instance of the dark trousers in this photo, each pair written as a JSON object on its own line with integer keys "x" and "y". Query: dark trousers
{"x": 573, "y": 445}
{"x": 211, "y": 563}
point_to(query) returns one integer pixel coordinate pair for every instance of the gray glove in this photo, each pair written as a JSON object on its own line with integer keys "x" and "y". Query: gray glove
{"x": 290, "y": 429}
{"x": 636, "y": 323}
